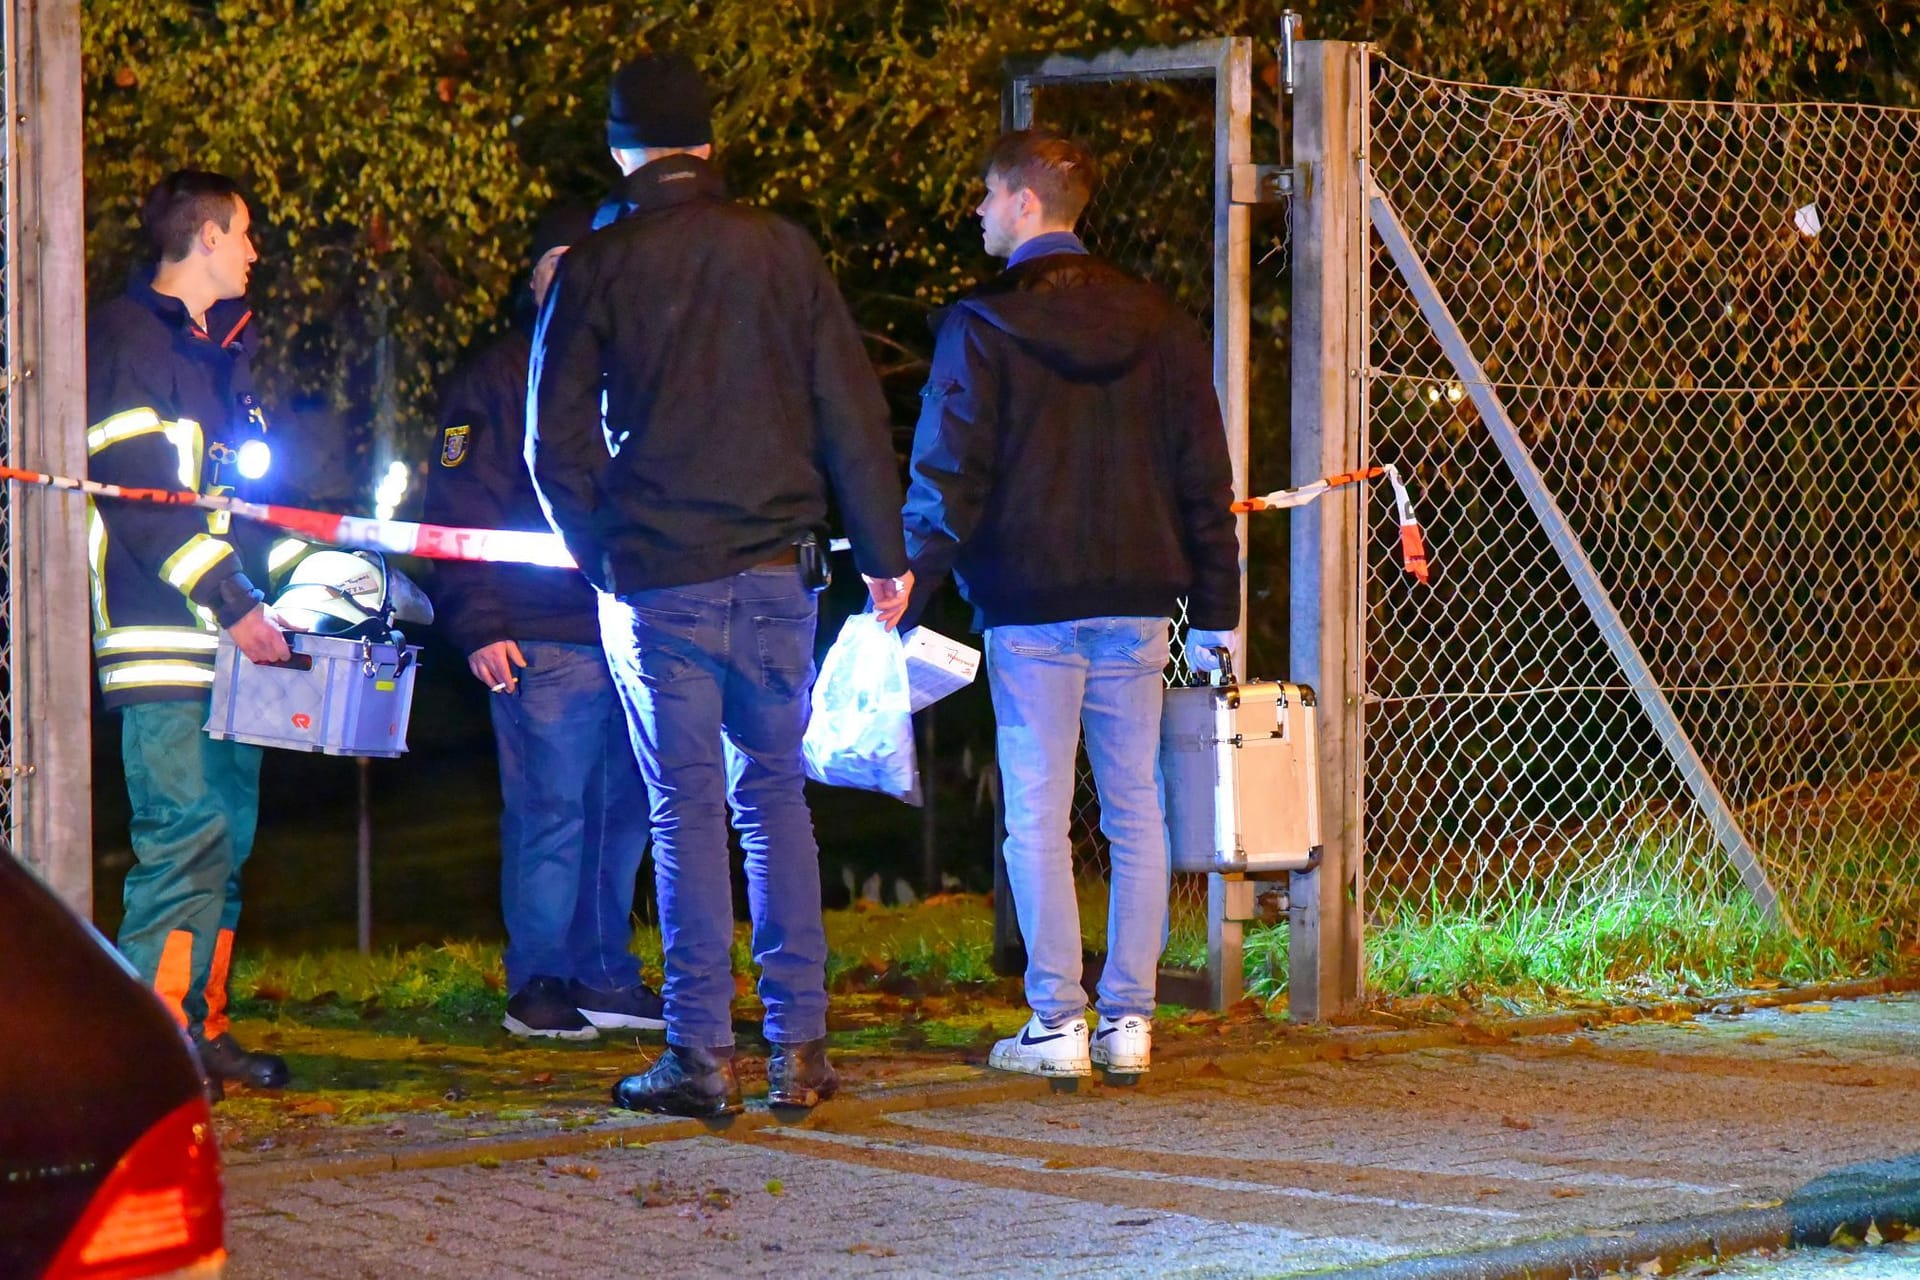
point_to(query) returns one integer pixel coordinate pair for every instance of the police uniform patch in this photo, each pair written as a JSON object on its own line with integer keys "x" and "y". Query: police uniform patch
{"x": 453, "y": 446}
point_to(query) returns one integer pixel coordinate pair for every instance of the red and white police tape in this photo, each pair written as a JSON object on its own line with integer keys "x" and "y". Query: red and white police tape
{"x": 513, "y": 546}
{"x": 400, "y": 537}
{"x": 1413, "y": 545}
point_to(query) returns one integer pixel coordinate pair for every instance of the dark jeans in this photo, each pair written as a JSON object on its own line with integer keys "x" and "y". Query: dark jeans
{"x": 573, "y": 830}
{"x": 715, "y": 678}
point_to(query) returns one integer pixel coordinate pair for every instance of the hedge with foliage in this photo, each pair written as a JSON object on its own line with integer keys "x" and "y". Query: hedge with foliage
{"x": 398, "y": 152}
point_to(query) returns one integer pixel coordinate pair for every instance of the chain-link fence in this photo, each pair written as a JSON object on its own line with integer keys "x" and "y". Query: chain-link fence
{"x": 1704, "y": 321}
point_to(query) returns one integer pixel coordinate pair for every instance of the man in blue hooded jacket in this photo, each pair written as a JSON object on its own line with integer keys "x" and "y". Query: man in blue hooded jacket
{"x": 1071, "y": 469}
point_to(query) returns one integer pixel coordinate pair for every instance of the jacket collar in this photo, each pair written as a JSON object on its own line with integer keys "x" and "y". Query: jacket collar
{"x": 225, "y": 320}
{"x": 676, "y": 179}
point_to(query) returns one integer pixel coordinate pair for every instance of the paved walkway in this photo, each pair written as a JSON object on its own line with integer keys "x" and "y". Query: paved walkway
{"x": 1233, "y": 1169}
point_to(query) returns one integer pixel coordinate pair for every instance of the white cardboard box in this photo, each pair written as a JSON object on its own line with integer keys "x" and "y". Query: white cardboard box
{"x": 936, "y": 666}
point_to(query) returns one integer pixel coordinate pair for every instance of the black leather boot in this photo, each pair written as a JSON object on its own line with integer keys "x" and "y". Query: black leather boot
{"x": 223, "y": 1059}
{"x": 799, "y": 1075}
{"x": 683, "y": 1081}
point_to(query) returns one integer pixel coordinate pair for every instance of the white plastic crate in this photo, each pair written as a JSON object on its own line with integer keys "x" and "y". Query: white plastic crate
{"x": 338, "y": 697}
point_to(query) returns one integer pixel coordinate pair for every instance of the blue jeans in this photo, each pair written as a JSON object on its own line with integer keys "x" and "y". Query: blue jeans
{"x": 571, "y": 832}
{"x": 715, "y": 678}
{"x": 1049, "y": 681}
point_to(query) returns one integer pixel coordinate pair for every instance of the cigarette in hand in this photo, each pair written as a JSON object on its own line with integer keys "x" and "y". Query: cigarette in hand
{"x": 501, "y": 687}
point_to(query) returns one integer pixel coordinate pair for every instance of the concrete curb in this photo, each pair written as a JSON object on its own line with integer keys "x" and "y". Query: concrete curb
{"x": 1808, "y": 1220}
{"x": 988, "y": 1087}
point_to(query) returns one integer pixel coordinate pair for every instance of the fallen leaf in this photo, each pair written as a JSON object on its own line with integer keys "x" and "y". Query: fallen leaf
{"x": 1873, "y": 1236}
{"x": 1567, "y": 1193}
{"x": 488, "y": 1162}
{"x": 1058, "y": 1163}
{"x": 1516, "y": 1122}
{"x": 586, "y": 1171}
{"x": 871, "y": 1250}
{"x": 775, "y": 1187}
{"x": 1806, "y": 1008}
{"x": 545, "y": 1077}
{"x": 1651, "y": 1267}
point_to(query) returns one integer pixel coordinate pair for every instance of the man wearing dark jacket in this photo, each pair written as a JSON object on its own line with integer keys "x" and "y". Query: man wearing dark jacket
{"x": 171, "y": 405}
{"x": 572, "y": 827}
{"x": 1071, "y": 468}
{"x": 697, "y": 386}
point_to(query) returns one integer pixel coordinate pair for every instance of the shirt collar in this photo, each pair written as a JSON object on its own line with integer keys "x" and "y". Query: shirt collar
{"x": 1045, "y": 243}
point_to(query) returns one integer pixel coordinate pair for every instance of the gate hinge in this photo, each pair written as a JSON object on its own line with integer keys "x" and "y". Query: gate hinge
{"x": 1261, "y": 183}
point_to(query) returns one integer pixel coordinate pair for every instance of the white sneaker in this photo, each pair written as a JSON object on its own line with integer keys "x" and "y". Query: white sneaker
{"x": 1041, "y": 1050}
{"x": 1123, "y": 1046}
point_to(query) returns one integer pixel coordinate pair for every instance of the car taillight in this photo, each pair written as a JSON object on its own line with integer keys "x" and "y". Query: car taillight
{"x": 158, "y": 1212}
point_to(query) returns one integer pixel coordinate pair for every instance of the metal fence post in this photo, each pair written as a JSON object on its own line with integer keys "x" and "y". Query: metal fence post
{"x": 49, "y": 755}
{"x": 1326, "y": 644}
{"x": 1232, "y": 306}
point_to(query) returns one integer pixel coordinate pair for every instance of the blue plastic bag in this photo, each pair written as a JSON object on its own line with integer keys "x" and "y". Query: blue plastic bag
{"x": 861, "y": 731}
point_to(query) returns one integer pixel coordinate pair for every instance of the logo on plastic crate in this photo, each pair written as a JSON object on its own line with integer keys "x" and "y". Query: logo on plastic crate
{"x": 301, "y": 720}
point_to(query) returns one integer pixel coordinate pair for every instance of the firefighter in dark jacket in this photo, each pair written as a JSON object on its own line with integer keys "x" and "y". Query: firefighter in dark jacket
{"x": 573, "y": 827}
{"x": 171, "y": 406}
{"x": 1071, "y": 467}
{"x": 697, "y": 386}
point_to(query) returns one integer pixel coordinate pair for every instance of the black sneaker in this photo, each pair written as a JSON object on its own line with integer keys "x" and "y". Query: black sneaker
{"x": 799, "y": 1075}
{"x": 222, "y": 1059}
{"x": 683, "y": 1082}
{"x": 542, "y": 1010}
{"x": 637, "y": 1006}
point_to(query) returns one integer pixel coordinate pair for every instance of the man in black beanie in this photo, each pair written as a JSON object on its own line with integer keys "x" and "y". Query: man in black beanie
{"x": 571, "y": 832}
{"x": 697, "y": 386}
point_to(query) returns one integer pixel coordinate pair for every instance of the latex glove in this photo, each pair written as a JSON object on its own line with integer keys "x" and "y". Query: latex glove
{"x": 492, "y": 665}
{"x": 260, "y": 636}
{"x": 1201, "y": 645}
{"x": 889, "y": 597}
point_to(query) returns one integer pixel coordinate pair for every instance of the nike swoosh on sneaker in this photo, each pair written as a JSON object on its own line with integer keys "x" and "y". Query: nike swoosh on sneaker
{"x": 1102, "y": 1035}
{"x": 1027, "y": 1038}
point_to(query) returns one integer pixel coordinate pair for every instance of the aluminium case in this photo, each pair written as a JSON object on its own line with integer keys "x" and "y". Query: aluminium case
{"x": 1239, "y": 763}
{"x": 335, "y": 696}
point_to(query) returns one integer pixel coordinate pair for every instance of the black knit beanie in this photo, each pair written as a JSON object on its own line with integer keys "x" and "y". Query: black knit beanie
{"x": 658, "y": 100}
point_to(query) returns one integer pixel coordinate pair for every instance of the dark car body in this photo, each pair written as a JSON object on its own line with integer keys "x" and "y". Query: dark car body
{"x": 108, "y": 1166}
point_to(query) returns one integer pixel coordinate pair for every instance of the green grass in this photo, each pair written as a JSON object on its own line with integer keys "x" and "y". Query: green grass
{"x": 1608, "y": 940}
{"x": 1616, "y": 948}
{"x": 939, "y": 944}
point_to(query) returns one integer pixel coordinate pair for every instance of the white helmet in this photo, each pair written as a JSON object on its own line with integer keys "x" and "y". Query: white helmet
{"x": 345, "y": 573}
{"x": 365, "y": 579}
{"x": 327, "y": 611}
